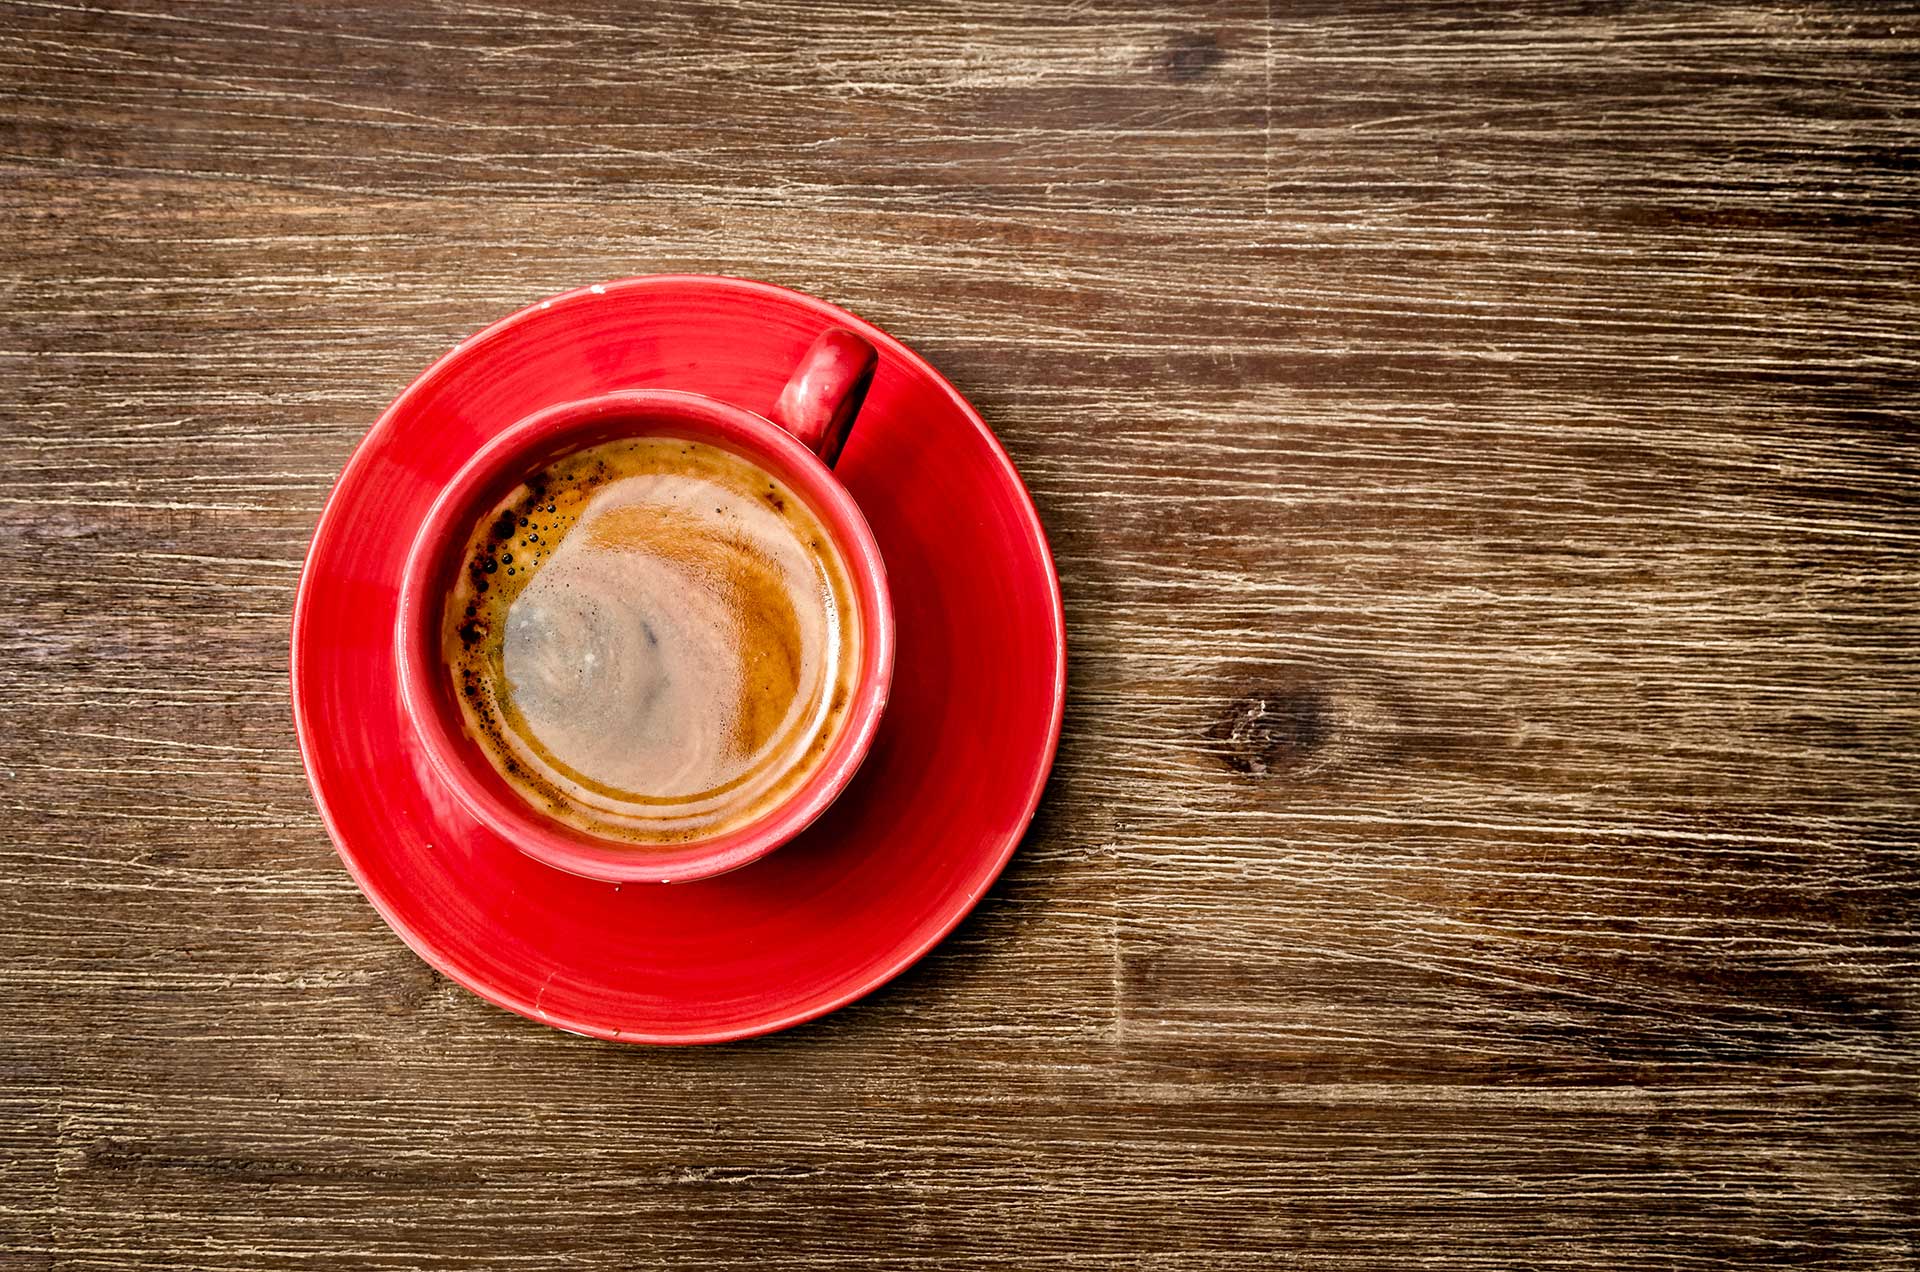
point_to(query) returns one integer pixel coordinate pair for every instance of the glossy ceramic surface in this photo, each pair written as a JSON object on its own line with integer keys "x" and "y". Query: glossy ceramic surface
{"x": 951, "y": 781}
{"x": 529, "y": 445}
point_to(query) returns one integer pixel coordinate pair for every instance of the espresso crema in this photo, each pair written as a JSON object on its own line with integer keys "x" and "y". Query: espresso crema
{"x": 654, "y": 640}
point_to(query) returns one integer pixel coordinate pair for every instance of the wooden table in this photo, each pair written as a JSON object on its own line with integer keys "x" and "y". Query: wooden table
{"x": 1479, "y": 446}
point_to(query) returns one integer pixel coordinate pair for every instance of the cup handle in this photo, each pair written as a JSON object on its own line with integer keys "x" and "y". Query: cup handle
{"x": 825, "y": 392}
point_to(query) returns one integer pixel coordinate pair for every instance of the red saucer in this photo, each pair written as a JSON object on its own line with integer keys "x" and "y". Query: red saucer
{"x": 926, "y": 826}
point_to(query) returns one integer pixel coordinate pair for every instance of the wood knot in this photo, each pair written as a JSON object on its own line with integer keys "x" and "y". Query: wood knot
{"x": 406, "y": 987}
{"x": 1190, "y": 56}
{"x": 1275, "y": 730}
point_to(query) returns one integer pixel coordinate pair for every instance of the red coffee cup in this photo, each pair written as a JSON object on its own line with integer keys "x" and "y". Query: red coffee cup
{"x": 798, "y": 445}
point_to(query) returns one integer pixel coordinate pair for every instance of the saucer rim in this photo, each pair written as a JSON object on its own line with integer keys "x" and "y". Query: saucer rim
{"x": 909, "y": 952}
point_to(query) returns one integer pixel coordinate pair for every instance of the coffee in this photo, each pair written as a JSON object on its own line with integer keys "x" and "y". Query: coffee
{"x": 653, "y": 639}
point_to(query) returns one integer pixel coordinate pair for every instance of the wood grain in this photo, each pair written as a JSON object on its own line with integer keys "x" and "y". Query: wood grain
{"x": 1479, "y": 447}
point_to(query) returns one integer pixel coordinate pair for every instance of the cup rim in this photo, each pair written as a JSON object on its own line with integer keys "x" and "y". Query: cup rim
{"x": 426, "y": 694}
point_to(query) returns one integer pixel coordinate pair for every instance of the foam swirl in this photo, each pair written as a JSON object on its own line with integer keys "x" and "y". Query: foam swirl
{"x": 652, "y": 639}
